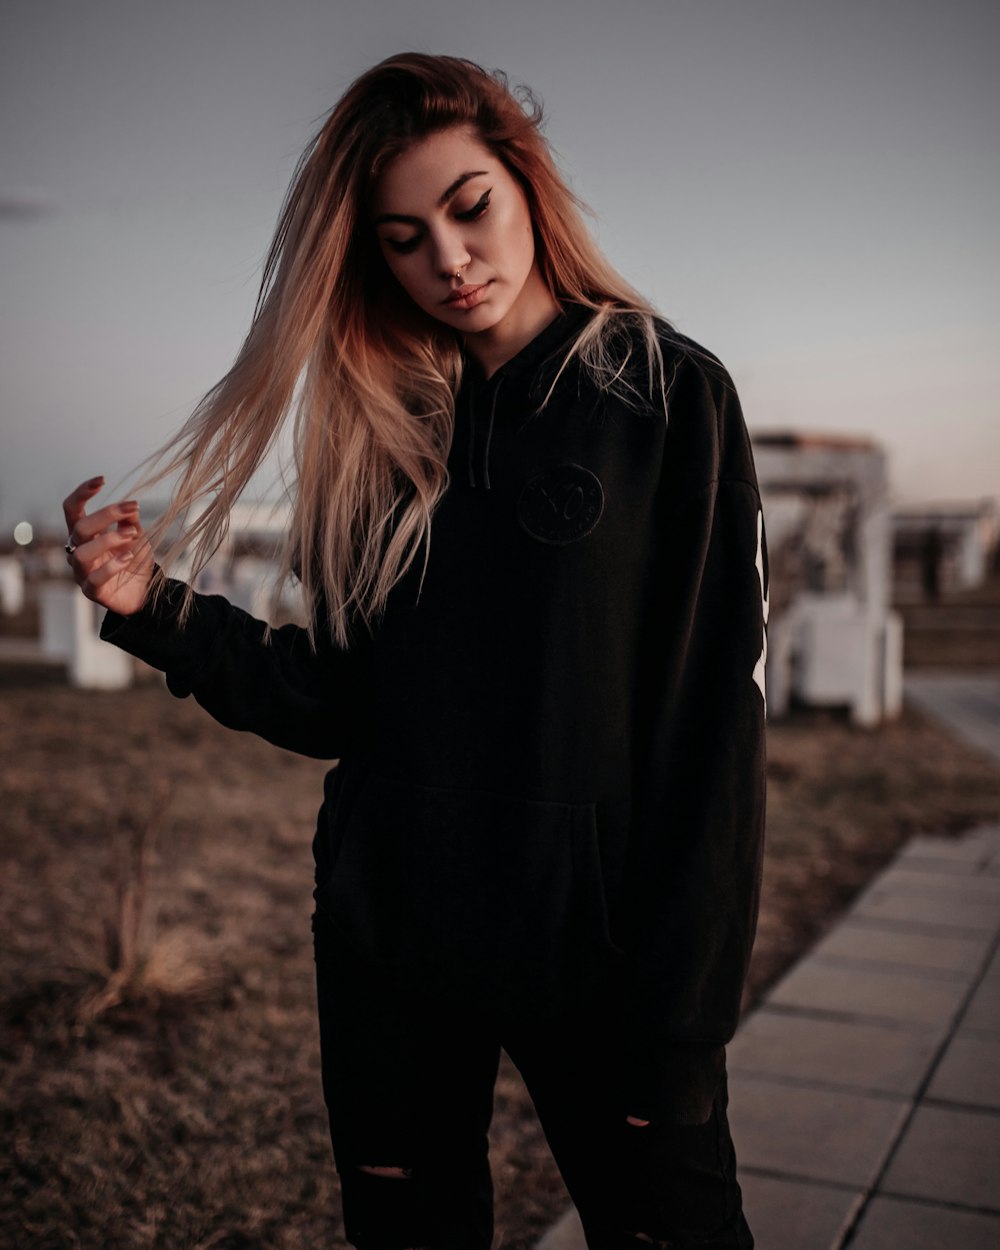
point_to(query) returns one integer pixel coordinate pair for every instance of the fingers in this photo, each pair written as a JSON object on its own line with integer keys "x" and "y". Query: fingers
{"x": 81, "y": 527}
{"x": 75, "y": 503}
{"x": 110, "y": 552}
{"x": 115, "y": 566}
{"x": 115, "y": 554}
{"x": 634, "y": 1120}
{"x": 111, "y": 558}
{"x": 85, "y": 527}
{"x": 112, "y": 543}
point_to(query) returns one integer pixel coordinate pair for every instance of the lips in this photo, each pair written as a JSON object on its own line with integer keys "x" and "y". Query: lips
{"x": 466, "y": 296}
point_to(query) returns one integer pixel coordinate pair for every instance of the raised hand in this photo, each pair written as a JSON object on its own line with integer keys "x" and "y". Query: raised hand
{"x": 111, "y": 560}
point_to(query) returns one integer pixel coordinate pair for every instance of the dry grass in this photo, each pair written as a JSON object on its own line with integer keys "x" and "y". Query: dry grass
{"x": 159, "y": 1070}
{"x": 143, "y": 970}
{"x": 841, "y": 802}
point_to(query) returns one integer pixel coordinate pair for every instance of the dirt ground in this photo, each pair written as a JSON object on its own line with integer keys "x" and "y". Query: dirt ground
{"x": 159, "y": 1072}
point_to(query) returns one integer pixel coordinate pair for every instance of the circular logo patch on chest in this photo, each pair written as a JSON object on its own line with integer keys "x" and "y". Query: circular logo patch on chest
{"x": 561, "y": 504}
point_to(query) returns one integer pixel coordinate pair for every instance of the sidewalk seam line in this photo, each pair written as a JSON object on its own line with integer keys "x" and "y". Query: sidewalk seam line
{"x": 846, "y": 1236}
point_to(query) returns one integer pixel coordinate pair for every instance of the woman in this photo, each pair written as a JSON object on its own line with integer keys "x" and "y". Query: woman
{"x": 544, "y": 830}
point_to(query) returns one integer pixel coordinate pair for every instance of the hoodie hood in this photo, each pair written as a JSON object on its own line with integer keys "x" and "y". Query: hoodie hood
{"x": 523, "y": 381}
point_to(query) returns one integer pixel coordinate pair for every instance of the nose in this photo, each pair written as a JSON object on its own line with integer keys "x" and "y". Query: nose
{"x": 450, "y": 253}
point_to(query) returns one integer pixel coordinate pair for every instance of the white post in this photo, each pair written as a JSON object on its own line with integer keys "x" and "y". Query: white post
{"x": 11, "y": 585}
{"x": 94, "y": 664}
{"x": 57, "y": 600}
{"x": 70, "y": 632}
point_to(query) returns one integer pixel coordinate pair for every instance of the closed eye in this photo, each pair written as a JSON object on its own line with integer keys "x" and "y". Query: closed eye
{"x": 404, "y": 246}
{"x": 477, "y": 210}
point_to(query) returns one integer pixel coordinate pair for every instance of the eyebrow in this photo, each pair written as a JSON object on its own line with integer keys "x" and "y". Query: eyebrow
{"x": 447, "y": 195}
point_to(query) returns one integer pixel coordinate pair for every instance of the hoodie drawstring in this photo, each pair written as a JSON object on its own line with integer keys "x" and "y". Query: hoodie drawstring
{"x": 495, "y": 392}
{"x": 489, "y": 435}
{"x": 472, "y": 433}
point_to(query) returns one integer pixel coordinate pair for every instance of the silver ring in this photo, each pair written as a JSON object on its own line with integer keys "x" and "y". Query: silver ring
{"x": 70, "y": 546}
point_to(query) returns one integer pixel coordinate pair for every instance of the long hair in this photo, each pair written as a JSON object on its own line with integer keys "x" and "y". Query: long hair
{"x": 365, "y": 379}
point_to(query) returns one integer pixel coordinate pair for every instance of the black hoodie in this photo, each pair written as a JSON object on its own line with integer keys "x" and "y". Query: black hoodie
{"x": 551, "y": 763}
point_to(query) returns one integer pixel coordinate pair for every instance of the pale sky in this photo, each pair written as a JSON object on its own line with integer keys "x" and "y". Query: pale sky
{"x": 811, "y": 190}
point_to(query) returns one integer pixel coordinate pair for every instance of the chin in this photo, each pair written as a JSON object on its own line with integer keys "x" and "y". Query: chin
{"x": 475, "y": 320}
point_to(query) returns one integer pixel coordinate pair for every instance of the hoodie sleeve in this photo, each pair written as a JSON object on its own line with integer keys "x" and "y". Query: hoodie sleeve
{"x": 695, "y": 856}
{"x": 303, "y": 700}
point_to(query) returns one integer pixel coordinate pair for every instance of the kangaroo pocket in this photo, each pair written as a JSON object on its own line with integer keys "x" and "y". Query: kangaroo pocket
{"x": 489, "y": 897}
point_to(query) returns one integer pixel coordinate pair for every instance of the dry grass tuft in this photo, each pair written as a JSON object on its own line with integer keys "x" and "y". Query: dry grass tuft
{"x": 144, "y": 969}
{"x": 128, "y": 934}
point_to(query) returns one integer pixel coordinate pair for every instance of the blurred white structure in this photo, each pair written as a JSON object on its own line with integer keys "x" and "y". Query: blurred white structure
{"x": 245, "y": 568}
{"x": 11, "y": 585}
{"x": 70, "y": 631}
{"x": 832, "y": 638}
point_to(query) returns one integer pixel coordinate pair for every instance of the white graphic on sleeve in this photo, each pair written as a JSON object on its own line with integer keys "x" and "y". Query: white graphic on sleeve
{"x": 758, "y": 668}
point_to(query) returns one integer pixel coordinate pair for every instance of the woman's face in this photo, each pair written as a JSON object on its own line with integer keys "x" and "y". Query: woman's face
{"x": 454, "y": 227}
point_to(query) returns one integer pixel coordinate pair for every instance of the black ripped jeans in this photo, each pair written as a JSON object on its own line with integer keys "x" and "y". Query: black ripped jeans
{"x": 409, "y": 1086}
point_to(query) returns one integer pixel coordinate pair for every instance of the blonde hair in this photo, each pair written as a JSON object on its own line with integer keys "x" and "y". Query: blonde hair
{"x": 368, "y": 380}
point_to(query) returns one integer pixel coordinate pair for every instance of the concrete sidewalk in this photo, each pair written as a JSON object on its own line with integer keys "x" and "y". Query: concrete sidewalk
{"x": 966, "y": 703}
{"x": 865, "y": 1089}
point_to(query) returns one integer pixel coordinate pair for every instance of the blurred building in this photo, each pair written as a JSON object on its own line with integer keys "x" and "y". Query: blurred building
{"x": 942, "y": 548}
{"x": 946, "y": 584}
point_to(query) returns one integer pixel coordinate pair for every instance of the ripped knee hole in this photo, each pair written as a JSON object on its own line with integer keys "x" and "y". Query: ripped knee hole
{"x": 400, "y": 1174}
